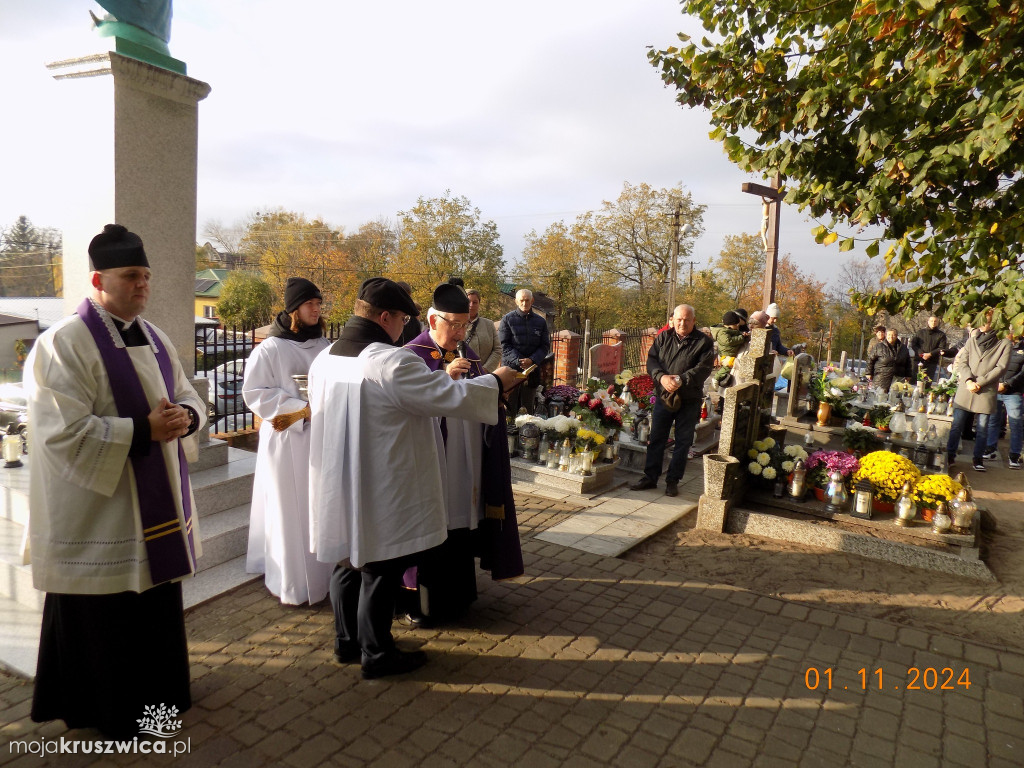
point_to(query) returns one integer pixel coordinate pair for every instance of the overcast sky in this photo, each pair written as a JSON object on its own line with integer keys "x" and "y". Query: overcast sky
{"x": 535, "y": 111}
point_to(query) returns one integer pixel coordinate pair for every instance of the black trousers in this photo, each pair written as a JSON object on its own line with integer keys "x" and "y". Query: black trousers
{"x": 364, "y": 606}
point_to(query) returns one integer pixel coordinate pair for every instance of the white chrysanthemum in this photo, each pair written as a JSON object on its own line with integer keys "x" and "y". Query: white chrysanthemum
{"x": 754, "y": 468}
{"x": 764, "y": 459}
{"x": 787, "y": 467}
{"x": 800, "y": 453}
{"x": 769, "y": 442}
{"x": 768, "y": 473}
{"x": 791, "y": 450}
{"x": 759, "y": 445}
{"x": 525, "y": 419}
{"x": 752, "y": 453}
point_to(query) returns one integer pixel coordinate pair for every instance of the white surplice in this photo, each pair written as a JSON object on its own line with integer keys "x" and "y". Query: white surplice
{"x": 279, "y": 521}
{"x": 377, "y": 458}
{"x": 85, "y": 528}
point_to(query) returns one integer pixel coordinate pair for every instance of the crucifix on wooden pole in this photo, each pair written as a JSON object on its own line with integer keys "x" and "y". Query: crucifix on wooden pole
{"x": 770, "y": 197}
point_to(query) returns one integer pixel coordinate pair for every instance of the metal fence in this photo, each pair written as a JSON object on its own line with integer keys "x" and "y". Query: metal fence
{"x": 221, "y": 357}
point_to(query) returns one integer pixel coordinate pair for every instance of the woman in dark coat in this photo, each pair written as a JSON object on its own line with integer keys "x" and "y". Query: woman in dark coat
{"x": 889, "y": 359}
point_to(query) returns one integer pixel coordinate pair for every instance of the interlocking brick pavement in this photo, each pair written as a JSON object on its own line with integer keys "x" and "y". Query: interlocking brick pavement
{"x": 588, "y": 661}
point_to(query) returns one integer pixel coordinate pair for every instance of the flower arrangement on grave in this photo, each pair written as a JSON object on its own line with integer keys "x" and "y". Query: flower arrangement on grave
{"x": 770, "y": 460}
{"x": 945, "y": 386}
{"x": 821, "y": 465}
{"x": 832, "y": 387}
{"x": 879, "y": 416}
{"x": 642, "y": 389}
{"x": 861, "y": 440}
{"x": 599, "y": 410}
{"x": 588, "y": 440}
{"x": 887, "y": 472}
{"x": 929, "y": 490}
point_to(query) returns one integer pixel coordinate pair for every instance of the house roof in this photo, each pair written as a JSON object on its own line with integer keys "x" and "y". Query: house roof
{"x": 47, "y": 310}
{"x": 209, "y": 282}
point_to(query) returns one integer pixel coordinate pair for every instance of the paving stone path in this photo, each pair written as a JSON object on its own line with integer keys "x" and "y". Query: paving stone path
{"x": 588, "y": 661}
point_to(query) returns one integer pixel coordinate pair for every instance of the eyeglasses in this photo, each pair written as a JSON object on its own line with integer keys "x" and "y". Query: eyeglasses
{"x": 454, "y": 326}
{"x": 405, "y": 318}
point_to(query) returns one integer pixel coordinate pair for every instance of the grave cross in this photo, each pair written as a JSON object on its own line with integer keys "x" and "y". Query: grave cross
{"x": 771, "y": 197}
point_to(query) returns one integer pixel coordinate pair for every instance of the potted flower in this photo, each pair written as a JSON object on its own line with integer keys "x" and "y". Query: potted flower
{"x": 887, "y": 472}
{"x": 860, "y": 440}
{"x": 821, "y": 465}
{"x": 929, "y": 490}
{"x": 771, "y": 462}
{"x": 830, "y": 389}
{"x": 879, "y": 416}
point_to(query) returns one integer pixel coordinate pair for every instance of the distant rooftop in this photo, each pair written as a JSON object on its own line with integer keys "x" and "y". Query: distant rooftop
{"x": 46, "y": 309}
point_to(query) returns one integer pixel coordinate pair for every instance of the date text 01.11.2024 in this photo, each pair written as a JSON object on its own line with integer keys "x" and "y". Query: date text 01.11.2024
{"x": 917, "y": 679}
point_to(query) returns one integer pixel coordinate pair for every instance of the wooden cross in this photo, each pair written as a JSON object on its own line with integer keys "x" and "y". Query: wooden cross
{"x": 771, "y": 197}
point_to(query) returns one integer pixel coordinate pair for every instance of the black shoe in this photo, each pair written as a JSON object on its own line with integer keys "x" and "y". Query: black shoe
{"x": 395, "y": 663}
{"x": 347, "y": 654}
{"x": 1014, "y": 461}
{"x": 979, "y": 465}
{"x": 643, "y": 484}
{"x": 671, "y": 489}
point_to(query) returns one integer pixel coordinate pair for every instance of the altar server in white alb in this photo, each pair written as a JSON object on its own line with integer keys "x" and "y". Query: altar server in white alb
{"x": 112, "y": 521}
{"x": 376, "y": 490}
{"x": 279, "y": 522}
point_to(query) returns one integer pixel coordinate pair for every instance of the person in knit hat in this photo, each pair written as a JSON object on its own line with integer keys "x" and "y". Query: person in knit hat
{"x": 279, "y": 517}
{"x": 774, "y": 337}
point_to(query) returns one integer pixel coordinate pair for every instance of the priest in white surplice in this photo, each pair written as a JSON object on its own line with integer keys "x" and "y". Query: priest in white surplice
{"x": 376, "y": 490}
{"x": 279, "y": 520}
{"x": 112, "y": 518}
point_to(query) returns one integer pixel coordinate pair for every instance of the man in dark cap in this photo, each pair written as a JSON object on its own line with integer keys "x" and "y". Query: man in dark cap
{"x": 376, "y": 492}
{"x": 112, "y": 523}
{"x": 413, "y": 327}
{"x": 446, "y": 577}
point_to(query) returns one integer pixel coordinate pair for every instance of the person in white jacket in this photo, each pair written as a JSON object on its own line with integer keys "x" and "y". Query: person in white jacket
{"x": 279, "y": 543}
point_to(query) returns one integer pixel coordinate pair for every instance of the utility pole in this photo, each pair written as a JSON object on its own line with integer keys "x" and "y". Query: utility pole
{"x": 673, "y": 269}
{"x": 771, "y": 198}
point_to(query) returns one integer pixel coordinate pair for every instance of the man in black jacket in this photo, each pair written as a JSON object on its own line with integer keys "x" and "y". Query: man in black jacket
{"x": 679, "y": 361}
{"x": 930, "y": 346}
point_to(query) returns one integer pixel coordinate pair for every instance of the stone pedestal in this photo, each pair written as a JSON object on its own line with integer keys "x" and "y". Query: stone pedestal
{"x": 131, "y": 151}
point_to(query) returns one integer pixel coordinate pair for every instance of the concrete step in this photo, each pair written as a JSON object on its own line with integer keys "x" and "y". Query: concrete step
{"x": 225, "y": 486}
{"x": 19, "y": 640}
{"x": 215, "y": 581}
{"x": 225, "y": 536}
{"x": 15, "y": 576}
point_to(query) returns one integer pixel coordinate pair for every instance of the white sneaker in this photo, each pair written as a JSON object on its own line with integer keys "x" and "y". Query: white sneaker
{"x": 991, "y": 456}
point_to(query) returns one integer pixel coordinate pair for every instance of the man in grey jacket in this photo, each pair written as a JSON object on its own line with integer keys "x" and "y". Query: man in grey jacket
{"x": 482, "y": 335}
{"x": 978, "y": 366}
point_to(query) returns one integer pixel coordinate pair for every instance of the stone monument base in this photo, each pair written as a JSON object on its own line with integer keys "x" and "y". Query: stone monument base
{"x": 602, "y": 477}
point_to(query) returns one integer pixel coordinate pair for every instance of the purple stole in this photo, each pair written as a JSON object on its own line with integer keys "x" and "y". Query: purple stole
{"x": 497, "y": 537}
{"x": 171, "y": 555}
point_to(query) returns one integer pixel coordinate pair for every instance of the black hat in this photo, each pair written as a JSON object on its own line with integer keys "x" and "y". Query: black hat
{"x": 457, "y": 281}
{"x": 386, "y": 294}
{"x": 731, "y": 318}
{"x": 116, "y": 247}
{"x": 742, "y": 313}
{"x": 450, "y": 298}
{"x": 297, "y": 291}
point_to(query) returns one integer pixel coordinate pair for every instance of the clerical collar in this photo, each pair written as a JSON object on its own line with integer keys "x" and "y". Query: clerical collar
{"x": 122, "y": 324}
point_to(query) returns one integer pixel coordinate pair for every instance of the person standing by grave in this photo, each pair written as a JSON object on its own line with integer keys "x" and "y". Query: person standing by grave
{"x": 482, "y": 334}
{"x": 774, "y": 336}
{"x": 679, "y": 361}
{"x": 930, "y": 346}
{"x": 889, "y": 359}
{"x": 279, "y": 517}
{"x": 1009, "y": 406}
{"x": 112, "y": 516}
{"x": 978, "y": 367}
{"x": 524, "y": 342}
